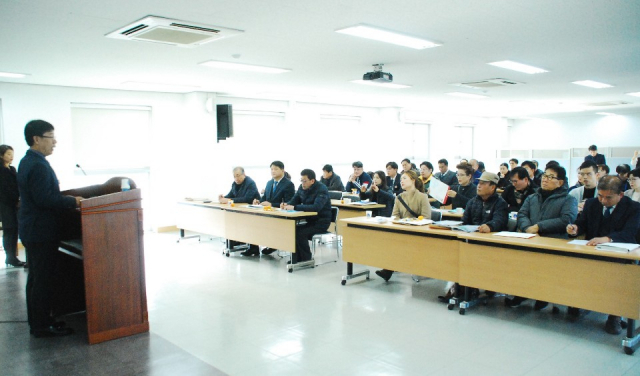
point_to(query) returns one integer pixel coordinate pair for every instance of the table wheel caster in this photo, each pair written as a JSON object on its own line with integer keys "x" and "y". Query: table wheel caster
{"x": 450, "y": 307}
{"x": 462, "y": 311}
{"x": 343, "y": 282}
{"x": 629, "y": 350}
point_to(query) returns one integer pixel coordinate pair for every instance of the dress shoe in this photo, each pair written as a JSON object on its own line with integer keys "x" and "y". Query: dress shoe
{"x": 514, "y": 302}
{"x": 612, "y": 325}
{"x": 268, "y": 251}
{"x": 384, "y": 274}
{"x": 450, "y": 294}
{"x": 539, "y": 305}
{"x": 15, "y": 263}
{"x": 52, "y": 331}
{"x": 573, "y": 314}
{"x": 250, "y": 252}
{"x": 57, "y": 324}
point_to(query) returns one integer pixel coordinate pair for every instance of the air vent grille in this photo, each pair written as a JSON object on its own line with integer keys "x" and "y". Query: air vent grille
{"x": 134, "y": 29}
{"x": 487, "y": 84}
{"x": 207, "y": 30}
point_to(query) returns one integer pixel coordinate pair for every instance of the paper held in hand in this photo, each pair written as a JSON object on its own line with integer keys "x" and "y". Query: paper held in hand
{"x": 438, "y": 190}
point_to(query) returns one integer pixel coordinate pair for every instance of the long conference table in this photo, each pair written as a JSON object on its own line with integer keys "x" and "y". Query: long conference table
{"x": 539, "y": 268}
{"x": 272, "y": 228}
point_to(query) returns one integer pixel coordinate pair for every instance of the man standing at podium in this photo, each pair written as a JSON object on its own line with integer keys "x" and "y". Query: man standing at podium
{"x": 41, "y": 202}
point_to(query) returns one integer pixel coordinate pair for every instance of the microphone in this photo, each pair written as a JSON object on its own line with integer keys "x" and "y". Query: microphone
{"x": 78, "y": 166}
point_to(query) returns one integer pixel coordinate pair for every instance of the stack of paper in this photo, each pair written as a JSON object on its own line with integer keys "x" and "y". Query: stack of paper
{"x": 618, "y": 247}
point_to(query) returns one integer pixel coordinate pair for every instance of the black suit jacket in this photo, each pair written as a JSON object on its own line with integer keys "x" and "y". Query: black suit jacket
{"x": 394, "y": 184}
{"x": 284, "y": 192}
{"x": 624, "y": 221}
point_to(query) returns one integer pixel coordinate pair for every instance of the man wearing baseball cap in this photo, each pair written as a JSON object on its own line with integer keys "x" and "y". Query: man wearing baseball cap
{"x": 487, "y": 210}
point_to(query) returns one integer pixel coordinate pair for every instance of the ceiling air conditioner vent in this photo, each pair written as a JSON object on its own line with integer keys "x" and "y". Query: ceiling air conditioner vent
{"x": 488, "y": 84}
{"x": 178, "y": 33}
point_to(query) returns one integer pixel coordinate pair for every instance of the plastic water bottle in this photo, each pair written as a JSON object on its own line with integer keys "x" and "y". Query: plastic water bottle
{"x": 124, "y": 185}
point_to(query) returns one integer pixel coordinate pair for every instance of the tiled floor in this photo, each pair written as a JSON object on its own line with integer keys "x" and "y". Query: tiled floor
{"x": 248, "y": 316}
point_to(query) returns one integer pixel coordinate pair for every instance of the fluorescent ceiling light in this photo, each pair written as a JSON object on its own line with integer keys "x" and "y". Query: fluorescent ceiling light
{"x": 243, "y": 67}
{"x": 387, "y": 85}
{"x": 381, "y": 35}
{"x": 508, "y": 64}
{"x": 13, "y": 75}
{"x": 467, "y": 95}
{"x": 593, "y": 84}
{"x": 635, "y": 94}
{"x": 606, "y": 114}
{"x": 156, "y": 86}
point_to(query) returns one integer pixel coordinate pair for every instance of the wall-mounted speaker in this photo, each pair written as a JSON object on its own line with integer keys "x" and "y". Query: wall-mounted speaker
{"x": 225, "y": 121}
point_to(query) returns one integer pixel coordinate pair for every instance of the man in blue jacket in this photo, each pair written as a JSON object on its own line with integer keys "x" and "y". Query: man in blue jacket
{"x": 243, "y": 191}
{"x": 40, "y": 207}
{"x": 312, "y": 196}
{"x": 278, "y": 190}
{"x": 609, "y": 217}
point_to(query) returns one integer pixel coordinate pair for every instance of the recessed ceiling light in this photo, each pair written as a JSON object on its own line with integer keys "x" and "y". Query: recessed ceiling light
{"x": 606, "y": 114}
{"x": 387, "y": 85}
{"x": 508, "y": 64}
{"x": 635, "y": 94}
{"x": 593, "y": 84}
{"x": 13, "y": 75}
{"x": 382, "y": 35}
{"x": 243, "y": 67}
{"x": 467, "y": 95}
{"x": 158, "y": 86}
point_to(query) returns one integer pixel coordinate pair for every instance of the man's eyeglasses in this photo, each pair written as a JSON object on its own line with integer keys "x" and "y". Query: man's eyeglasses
{"x": 549, "y": 177}
{"x": 43, "y": 136}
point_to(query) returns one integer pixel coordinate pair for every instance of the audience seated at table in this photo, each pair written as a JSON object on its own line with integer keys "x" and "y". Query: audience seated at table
{"x": 412, "y": 203}
{"x": 278, "y": 190}
{"x": 359, "y": 180}
{"x": 444, "y": 174}
{"x": 531, "y": 171}
{"x": 578, "y": 183}
{"x": 634, "y": 183}
{"x": 622, "y": 172}
{"x": 380, "y": 193}
{"x": 610, "y": 217}
{"x": 311, "y": 196}
{"x": 519, "y": 190}
{"x": 513, "y": 163}
{"x": 504, "y": 176}
{"x": 461, "y": 193}
{"x": 476, "y": 170}
{"x": 393, "y": 178}
{"x": 589, "y": 189}
{"x": 243, "y": 191}
{"x": 547, "y": 212}
{"x": 331, "y": 179}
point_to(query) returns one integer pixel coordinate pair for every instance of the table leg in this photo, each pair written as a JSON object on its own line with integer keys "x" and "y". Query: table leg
{"x": 350, "y": 274}
{"x": 632, "y": 341}
{"x": 182, "y": 237}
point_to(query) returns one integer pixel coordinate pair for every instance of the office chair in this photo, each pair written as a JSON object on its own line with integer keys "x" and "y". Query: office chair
{"x": 435, "y": 216}
{"x": 318, "y": 237}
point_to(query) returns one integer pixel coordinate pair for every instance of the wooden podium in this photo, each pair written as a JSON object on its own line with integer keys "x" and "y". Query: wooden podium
{"x": 112, "y": 252}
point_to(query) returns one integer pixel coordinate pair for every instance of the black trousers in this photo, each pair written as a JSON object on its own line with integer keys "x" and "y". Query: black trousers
{"x": 41, "y": 282}
{"x": 304, "y": 233}
{"x": 233, "y": 243}
{"x": 10, "y": 243}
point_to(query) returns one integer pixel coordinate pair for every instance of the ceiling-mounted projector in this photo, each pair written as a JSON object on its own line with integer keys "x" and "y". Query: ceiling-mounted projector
{"x": 377, "y": 75}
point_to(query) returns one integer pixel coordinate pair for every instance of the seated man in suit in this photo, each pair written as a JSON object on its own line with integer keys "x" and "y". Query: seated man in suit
{"x": 331, "y": 179}
{"x": 243, "y": 190}
{"x": 445, "y": 175}
{"x": 531, "y": 171}
{"x": 278, "y": 190}
{"x": 611, "y": 217}
{"x": 312, "y": 196}
{"x": 393, "y": 178}
{"x": 589, "y": 188}
{"x": 359, "y": 180}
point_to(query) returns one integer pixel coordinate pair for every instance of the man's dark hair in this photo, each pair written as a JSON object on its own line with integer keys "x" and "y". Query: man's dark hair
{"x": 481, "y": 167}
{"x": 635, "y": 173}
{"x": 514, "y": 160}
{"x": 36, "y": 128}
{"x": 610, "y": 183}
{"x": 327, "y": 168}
{"x": 520, "y": 172}
{"x": 561, "y": 173}
{"x": 551, "y": 163}
{"x": 505, "y": 165}
{"x": 589, "y": 164}
{"x": 605, "y": 168}
{"x": 468, "y": 170}
{"x": 529, "y": 164}
{"x": 535, "y": 163}
{"x": 357, "y": 164}
{"x": 621, "y": 169}
{"x": 428, "y": 164}
{"x": 593, "y": 147}
{"x": 393, "y": 165}
{"x": 406, "y": 160}
{"x": 444, "y": 162}
{"x": 277, "y": 164}
{"x": 308, "y": 173}
{"x": 4, "y": 149}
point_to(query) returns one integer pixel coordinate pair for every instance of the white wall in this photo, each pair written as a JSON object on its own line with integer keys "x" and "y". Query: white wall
{"x": 188, "y": 162}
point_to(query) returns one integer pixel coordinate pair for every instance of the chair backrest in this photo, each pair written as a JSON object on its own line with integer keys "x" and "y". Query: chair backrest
{"x": 436, "y": 215}
{"x": 353, "y": 198}
{"x": 334, "y": 213}
{"x": 335, "y": 195}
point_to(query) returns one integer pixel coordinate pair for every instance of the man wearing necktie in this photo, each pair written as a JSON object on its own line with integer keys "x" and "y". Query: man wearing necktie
{"x": 279, "y": 189}
{"x": 609, "y": 217}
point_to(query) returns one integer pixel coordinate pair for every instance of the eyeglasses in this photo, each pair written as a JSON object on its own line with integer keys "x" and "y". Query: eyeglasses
{"x": 304, "y": 181}
{"x": 460, "y": 175}
{"x": 43, "y": 136}
{"x": 549, "y": 177}
{"x": 583, "y": 174}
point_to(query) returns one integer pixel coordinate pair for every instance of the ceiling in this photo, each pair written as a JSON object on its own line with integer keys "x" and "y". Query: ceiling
{"x": 63, "y": 43}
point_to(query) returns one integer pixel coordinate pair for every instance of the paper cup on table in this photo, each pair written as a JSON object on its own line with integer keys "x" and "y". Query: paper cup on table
{"x": 369, "y": 213}
{"x": 347, "y": 200}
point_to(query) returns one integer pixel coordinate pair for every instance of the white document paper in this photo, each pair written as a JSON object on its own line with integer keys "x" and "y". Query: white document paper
{"x": 617, "y": 247}
{"x": 509, "y": 234}
{"x": 579, "y": 242}
{"x": 438, "y": 190}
